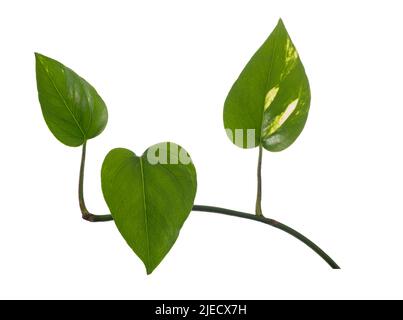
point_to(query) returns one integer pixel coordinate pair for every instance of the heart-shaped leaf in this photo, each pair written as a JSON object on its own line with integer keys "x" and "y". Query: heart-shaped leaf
{"x": 73, "y": 110}
{"x": 268, "y": 104}
{"x": 149, "y": 197}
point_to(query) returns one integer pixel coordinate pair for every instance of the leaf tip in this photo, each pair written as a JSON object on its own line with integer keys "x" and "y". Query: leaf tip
{"x": 149, "y": 270}
{"x": 40, "y": 57}
{"x": 37, "y": 56}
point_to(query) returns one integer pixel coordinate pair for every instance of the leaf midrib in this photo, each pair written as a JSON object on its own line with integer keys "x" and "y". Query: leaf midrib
{"x": 62, "y": 98}
{"x": 145, "y": 212}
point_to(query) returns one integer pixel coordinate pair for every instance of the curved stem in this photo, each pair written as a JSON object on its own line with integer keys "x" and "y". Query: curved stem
{"x": 272, "y": 223}
{"x": 84, "y": 211}
{"x": 103, "y": 218}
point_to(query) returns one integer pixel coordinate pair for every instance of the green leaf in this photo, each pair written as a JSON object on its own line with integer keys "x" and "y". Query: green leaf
{"x": 268, "y": 104}
{"x": 149, "y": 197}
{"x": 73, "y": 110}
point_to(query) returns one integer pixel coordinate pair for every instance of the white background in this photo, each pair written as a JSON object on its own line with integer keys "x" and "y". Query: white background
{"x": 164, "y": 69}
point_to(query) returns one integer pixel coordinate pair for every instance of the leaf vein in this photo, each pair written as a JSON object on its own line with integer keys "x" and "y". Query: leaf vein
{"x": 145, "y": 212}
{"x": 62, "y": 98}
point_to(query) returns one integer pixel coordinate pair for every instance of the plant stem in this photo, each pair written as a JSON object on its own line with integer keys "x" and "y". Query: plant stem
{"x": 84, "y": 211}
{"x": 258, "y": 209}
{"x": 103, "y": 218}
{"x": 272, "y": 223}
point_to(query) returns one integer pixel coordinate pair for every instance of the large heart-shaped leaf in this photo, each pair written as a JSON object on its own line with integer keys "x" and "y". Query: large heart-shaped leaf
{"x": 73, "y": 110}
{"x": 149, "y": 197}
{"x": 268, "y": 104}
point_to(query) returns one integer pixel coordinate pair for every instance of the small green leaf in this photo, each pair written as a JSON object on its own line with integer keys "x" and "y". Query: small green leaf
{"x": 73, "y": 110}
{"x": 268, "y": 104}
{"x": 149, "y": 197}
